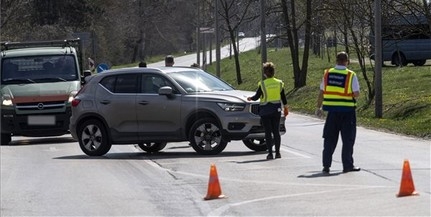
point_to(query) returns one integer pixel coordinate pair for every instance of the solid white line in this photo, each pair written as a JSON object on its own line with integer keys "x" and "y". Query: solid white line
{"x": 219, "y": 211}
{"x": 294, "y": 153}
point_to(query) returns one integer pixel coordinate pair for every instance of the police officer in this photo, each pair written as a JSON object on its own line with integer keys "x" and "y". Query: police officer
{"x": 271, "y": 94}
{"x": 338, "y": 92}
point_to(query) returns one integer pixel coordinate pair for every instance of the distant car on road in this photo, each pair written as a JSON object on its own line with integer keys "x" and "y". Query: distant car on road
{"x": 153, "y": 106}
{"x": 241, "y": 34}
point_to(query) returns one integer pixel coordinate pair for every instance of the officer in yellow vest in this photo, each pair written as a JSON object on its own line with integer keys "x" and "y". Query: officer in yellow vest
{"x": 271, "y": 94}
{"x": 338, "y": 92}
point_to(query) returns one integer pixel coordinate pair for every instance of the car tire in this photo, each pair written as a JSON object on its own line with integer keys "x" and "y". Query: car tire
{"x": 6, "y": 138}
{"x": 255, "y": 144}
{"x": 93, "y": 138}
{"x": 399, "y": 59}
{"x": 206, "y": 137}
{"x": 419, "y": 62}
{"x": 152, "y": 147}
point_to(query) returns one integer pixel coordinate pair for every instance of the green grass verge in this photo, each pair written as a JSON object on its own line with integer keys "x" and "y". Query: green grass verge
{"x": 406, "y": 91}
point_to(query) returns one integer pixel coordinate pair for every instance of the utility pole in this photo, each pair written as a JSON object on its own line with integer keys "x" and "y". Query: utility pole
{"x": 217, "y": 36}
{"x": 262, "y": 34}
{"x": 198, "y": 32}
{"x": 378, "y": 58}
{"x": 204, "y": 52}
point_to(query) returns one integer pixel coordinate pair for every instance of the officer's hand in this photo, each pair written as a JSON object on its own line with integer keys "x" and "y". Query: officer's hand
{"x": 319, "y": 112}
{"x": 286, "y": 111}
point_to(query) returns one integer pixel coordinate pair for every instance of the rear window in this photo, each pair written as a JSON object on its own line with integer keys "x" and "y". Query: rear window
{"x": 124, "y": 83}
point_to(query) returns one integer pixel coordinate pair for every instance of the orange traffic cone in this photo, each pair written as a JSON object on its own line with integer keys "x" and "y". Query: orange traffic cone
{"x": 214, "y": 190}
{"x": 407, "y": 187}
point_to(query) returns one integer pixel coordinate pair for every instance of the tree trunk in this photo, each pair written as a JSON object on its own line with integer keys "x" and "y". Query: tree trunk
{"x": 299, "y": 75}
{"x": 236, "y": 56}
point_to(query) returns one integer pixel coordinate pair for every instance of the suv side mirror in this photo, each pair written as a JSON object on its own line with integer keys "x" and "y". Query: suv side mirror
{"x": 87, "y": 73}
{"x": 166, "y": 90}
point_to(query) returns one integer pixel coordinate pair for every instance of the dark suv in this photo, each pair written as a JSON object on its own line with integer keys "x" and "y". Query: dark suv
{"x": 153, "y": 106}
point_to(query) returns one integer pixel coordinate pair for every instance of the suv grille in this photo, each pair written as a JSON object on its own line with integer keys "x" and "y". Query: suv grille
{"x": 40, "y": 105}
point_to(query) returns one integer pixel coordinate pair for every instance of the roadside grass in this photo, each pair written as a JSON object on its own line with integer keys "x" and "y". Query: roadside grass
{"x": 406, "y": 91}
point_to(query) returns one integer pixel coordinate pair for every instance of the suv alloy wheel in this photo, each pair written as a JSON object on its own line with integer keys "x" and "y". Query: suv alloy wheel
{"x": 93, "y": 138}
{"x": 206, "y": 137}
{"x": 255, "y": 144}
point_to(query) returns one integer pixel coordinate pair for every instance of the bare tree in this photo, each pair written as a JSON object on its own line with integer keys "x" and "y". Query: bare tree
{"x": 354, "y": 20}
{"x": 297, "y": 23}
{"x": 235, "y": 13}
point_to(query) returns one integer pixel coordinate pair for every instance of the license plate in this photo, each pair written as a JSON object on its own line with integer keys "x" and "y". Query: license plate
{"x": 41, "y": 120}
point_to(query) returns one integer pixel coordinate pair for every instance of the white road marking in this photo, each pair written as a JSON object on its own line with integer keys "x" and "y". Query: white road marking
{"x": 294, "y": 153}
{"x": 219, "y": 211}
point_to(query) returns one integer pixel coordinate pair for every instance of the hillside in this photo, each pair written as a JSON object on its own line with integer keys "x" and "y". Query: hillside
{"x": 406, "y": 91}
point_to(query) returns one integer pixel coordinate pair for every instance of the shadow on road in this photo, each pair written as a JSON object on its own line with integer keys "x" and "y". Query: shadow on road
{"x": 318, "y": 174}
{"x": 40, "y": 141}
{"x": 159, "y": 155}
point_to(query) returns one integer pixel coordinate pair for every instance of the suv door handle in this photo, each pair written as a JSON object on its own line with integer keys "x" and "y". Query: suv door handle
{"x": 105, "y": 102}
{"x": 143, "y": 102}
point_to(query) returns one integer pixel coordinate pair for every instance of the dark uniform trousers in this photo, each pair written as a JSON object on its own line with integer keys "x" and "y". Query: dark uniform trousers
{"x": 271, "y": 124}
{"x": 336, "y": 123}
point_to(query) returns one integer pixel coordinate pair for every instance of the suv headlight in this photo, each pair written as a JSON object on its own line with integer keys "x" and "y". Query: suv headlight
{"x": 6, "y": 100}
{"x": 72, "y": 95}
{"x": 231, "y": 107}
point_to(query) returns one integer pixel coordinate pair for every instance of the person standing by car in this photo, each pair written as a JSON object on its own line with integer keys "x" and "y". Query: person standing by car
{"x": 338, "y": 92}
{"x": 271, "y": 94}
{"x": 169, "y": 60}
{"x": 142, "y": 64}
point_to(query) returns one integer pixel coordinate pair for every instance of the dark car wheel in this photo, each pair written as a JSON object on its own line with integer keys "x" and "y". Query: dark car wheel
{"x": 93, "y": 138}
{"x": 255, "y": 144}
{"x": 206, "y": 137}
{"x": 6, "y": 138}
{"x": 151, "y": 147}
{"x": 399, "y": 59}
{"x": 419, "y": 62}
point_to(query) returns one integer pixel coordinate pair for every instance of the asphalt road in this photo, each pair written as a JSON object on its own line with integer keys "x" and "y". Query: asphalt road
{"x": 245, "y": 44}
{"x": 53, "y": 177}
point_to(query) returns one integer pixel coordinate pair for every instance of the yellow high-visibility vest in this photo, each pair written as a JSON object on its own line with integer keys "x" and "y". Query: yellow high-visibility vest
{"x": 337, "y": 90}
{"x": 271, "y": 89}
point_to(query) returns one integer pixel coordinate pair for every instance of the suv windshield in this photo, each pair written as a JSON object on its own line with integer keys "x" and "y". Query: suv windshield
{"x": 39, "y": 69}
{"x": 198, "y": 81}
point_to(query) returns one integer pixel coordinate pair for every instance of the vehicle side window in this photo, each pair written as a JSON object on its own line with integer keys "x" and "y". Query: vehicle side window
{"x": 152, "y": 83}
{"x": 109, "y": 83}
{"x": 126, "y": 83}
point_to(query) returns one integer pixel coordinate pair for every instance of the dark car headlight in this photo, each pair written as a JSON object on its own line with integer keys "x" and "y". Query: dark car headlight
{"x": 231, "y": 107}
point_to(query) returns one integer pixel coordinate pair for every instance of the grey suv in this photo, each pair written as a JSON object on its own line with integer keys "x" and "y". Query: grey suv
{"x": 153, "y": 106}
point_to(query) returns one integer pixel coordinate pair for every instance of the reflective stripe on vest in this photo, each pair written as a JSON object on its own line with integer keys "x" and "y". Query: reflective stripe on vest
{"x": 337, "y": 88}
{"x": 271, "y": 89}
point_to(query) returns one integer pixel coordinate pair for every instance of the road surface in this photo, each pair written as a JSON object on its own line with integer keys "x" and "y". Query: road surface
{"x": 245, "y": 44}
{"x": 53, "y": 177}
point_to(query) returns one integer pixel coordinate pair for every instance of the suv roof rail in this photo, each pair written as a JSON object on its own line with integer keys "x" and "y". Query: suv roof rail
{"x": 52, "y": 43}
